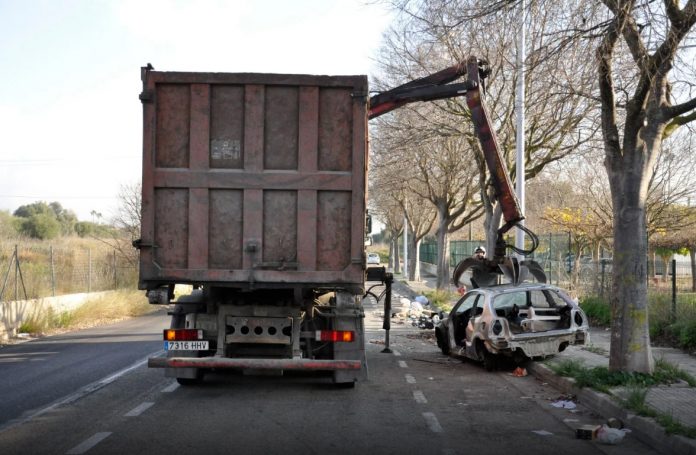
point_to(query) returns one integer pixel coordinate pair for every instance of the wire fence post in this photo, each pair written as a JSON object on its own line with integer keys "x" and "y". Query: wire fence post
{"x": 114, "y": 262}
{"x": 674, "y": 290}
{"x": 89, "y": 270}
{"x": 16, "y": 274}
{"x": 53, "y": 274}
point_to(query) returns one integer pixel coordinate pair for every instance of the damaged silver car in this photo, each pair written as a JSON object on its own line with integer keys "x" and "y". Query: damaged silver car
{"x": 519, "y": 321}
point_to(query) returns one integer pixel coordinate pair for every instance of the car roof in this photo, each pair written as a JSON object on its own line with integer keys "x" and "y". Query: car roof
{"x": 508, "y": 287}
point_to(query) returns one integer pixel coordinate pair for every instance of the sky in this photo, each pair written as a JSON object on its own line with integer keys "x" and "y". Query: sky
{"x": 70, "y": 117}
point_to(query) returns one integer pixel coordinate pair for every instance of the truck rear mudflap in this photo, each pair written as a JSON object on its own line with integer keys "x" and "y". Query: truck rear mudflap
{"x": 256, "y": 364}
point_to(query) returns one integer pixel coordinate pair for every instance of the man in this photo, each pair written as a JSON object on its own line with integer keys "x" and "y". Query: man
{"x": 479, "y": 253}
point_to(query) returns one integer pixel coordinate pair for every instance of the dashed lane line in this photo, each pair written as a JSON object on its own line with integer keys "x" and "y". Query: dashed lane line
{"x": 402, "y": 364}
{"x": 432, "y": 422}
{"x": 142, "y": 407}
{"x": 419, "y": 397}
{"x": 171, "y": 387}
{"x": 410, "y": 379}
{"x": 84, "y": 391}
{"x": 88, "y": 443}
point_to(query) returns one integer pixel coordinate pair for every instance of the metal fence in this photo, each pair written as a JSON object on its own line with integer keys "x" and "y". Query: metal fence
{"x": 584, "y": 276}
{"x": 35, "y": 271}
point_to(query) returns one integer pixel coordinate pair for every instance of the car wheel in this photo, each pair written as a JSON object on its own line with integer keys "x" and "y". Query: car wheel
{"x": 442, "y": 341}
{"x": 190, "y": 381}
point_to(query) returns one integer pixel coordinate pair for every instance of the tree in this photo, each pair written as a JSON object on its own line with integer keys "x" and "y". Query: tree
{"x": 42, "y": 226}
{"x": 434, "y": 34}
{"x": 66, "y": 219}
{"x": 639, "y": 109}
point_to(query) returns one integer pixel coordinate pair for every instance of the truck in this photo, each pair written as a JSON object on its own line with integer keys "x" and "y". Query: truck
{"x": 254, "y": 194}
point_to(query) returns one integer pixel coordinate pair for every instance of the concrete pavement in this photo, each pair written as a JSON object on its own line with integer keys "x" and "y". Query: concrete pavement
{"x": 675, "y": 400}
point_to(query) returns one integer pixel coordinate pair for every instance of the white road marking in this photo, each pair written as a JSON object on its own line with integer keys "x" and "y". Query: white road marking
{"x": 419, "y": 397}
{"x": 402, "y": 364}
{"x": 432, "y": 422}
{"x": 543, "y": 432}
{"x": 171, "y": 387}
{"x": 410, "y": 379}
{"x": 88, "y": 444}
{"x": 86, "y": 390}
{"x": 142, "y": 407}
{"x": 397, "y": 353}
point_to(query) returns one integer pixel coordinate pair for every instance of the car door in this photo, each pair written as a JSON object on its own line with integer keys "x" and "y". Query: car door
{"x": 459, "y": 317}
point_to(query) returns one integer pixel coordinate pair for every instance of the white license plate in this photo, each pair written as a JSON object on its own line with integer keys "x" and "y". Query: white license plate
{"x": 185, "y": 345}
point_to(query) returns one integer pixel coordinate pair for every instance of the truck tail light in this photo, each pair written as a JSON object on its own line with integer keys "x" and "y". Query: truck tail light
{"x": 336, "y": 336}
{"x": 183, "y": 334}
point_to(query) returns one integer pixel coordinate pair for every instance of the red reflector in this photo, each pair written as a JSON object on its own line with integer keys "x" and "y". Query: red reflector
{"x": 336, "y": 336}
{"x": 183, "y": 334}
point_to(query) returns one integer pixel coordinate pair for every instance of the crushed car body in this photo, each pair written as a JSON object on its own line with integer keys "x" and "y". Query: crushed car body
{"x": 521, "y": 321}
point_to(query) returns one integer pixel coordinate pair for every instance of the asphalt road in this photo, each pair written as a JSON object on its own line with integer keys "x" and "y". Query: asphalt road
{"x": 40, "y": 373}
{"x": 415, "y": 401}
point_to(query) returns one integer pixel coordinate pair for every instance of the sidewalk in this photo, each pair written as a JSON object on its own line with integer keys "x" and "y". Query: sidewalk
{"x": 675, "y": 400}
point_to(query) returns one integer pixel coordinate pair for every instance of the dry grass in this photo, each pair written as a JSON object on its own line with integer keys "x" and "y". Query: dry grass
{"x": 112, "y": 307}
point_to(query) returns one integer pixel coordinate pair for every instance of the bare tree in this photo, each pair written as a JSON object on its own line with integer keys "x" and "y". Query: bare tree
{"x": 127, "y": 221}
{"x": 437, "y": 33}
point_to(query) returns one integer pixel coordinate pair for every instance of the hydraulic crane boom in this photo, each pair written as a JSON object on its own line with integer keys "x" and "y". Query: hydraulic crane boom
{"x": 438, "y": 86}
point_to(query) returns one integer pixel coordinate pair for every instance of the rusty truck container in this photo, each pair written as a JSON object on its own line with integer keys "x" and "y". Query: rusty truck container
{"x": 253, "y": 180}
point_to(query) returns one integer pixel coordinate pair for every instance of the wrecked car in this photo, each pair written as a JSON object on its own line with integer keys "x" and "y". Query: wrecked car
{"x": 522, "y": 321}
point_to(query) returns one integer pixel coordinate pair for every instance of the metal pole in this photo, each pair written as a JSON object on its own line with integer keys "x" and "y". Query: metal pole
{"x": 674, "y": 290}
{"x": 16, "y": 256}
{"x": 519, "y": 107}
{"x": 386, "y": 325}
{"x": 53, "y": 274}
{"x": 89, "y": 270}
{"x": 405, "y": 246}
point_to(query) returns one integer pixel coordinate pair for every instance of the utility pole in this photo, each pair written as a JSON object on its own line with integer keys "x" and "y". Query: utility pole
{"x": 519, "y": 107}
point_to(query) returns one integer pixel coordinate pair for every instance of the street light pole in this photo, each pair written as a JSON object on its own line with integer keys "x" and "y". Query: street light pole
{"x": 519, "y": 107}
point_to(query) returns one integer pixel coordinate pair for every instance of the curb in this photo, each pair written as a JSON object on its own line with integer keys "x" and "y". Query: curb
{"x": 646, "y": 429}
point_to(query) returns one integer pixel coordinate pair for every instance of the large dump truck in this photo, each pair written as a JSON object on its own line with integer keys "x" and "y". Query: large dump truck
{"x": 254, "y": 193}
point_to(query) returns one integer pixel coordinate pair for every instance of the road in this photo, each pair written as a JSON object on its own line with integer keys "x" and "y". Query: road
{"x": 415, "y": 401}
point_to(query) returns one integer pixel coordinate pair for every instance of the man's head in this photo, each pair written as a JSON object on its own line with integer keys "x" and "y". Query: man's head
{"x": 480, "y": 252}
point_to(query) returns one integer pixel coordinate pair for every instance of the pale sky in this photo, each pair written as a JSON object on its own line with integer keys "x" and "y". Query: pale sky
{"x": 70, "y": 117}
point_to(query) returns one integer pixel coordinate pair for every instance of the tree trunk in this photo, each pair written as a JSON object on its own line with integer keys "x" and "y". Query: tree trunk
{"x": 630, "y": 336}
{"x": 390, "y": 263}
{"x": 414, "y": 259}
{"x": 443, "y": 249}
{"x": 692, "y": 255}
{"x": 395, "y": 247}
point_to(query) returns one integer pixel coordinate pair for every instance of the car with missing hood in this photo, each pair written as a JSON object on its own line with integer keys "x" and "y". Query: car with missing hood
{"x": 521, "y": 321}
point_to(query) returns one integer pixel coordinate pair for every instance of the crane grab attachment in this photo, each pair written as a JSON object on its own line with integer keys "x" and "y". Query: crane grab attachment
{"x": 484, "y": 272}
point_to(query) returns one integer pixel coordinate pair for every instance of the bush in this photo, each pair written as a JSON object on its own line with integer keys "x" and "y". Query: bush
{"x": 41, "y": 226}
{"x": 684, "y": 332}
{"x": 597, "y": 309}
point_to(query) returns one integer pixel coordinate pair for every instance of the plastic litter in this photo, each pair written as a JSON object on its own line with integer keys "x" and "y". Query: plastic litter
{"x": 423, "y": 300}
{"x": 565, "y": 404}
{"x": 608, "y": 435}
{"x": 519, "y": 372}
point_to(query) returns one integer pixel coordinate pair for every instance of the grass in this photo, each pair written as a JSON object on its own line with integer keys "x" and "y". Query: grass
{"x": 636, "y": 387}
{"x": 679, "y": 331}
{"x": 111, "y": 307}
{"x": 441, "y": 298}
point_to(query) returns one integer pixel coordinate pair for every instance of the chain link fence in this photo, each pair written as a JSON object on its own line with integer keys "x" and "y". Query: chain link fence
{"x": 583, "y": 275}
{"x": 35, "y": 271}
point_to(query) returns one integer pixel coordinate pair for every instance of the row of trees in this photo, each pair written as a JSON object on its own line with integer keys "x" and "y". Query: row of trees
{"x": 606, "y": 81}
{"x": 45, "y": 221}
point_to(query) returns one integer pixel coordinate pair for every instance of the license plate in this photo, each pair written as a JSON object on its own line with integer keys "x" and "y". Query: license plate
{"x": 185, "y": 345}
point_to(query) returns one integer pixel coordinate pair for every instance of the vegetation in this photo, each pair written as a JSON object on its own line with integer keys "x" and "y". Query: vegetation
{"x": 635, "y": 387}
{"x": 111, "y": 307}
{"x": 441, "y": 298}
{"x": 678, "y": 330}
